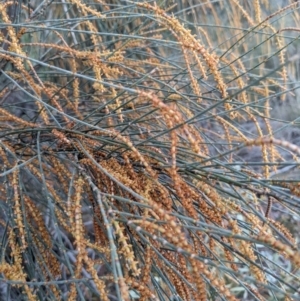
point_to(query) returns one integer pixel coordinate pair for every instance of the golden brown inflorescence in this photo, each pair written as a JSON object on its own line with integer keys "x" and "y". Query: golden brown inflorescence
{"x": 118, "y": 152}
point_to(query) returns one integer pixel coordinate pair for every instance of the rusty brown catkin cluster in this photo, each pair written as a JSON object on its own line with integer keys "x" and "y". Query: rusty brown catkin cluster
{"x": 120, "y": 124}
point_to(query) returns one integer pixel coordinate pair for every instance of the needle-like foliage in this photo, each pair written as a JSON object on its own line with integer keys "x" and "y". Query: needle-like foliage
{"x": 125, "y": 128}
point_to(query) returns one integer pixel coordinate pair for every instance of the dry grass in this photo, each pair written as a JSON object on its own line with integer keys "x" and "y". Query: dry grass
{"x": 122, "y": 129}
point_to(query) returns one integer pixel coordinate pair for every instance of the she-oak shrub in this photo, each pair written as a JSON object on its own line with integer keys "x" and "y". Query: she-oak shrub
{"x": 121, "y": 122}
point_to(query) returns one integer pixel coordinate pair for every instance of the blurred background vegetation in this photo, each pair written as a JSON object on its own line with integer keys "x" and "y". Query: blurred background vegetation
{"x": 149, "y": 150}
